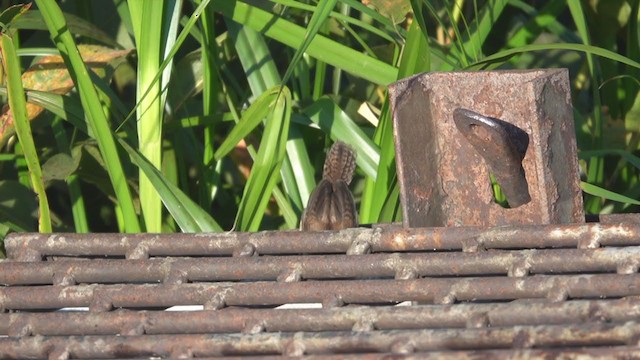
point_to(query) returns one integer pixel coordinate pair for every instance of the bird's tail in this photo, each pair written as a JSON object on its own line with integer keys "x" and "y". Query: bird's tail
{"x": 340, "y": 163}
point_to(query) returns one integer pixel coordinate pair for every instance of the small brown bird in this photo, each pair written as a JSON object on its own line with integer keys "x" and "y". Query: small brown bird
{"x": 331, "y": 205}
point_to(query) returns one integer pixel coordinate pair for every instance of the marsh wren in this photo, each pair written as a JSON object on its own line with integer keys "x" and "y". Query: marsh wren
{"x": 331, "y": 205}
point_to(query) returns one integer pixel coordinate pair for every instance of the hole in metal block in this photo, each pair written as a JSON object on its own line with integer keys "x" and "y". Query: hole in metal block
{"x": 498, "y": 195}
{"x": 503, "y": 147}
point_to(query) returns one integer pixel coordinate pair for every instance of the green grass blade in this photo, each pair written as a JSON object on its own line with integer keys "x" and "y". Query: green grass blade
{"x": 391, "y": 209}
{"x": 17, "y": 104}
{"x": 290, "y": 215}
{"x": 383, "y": 21}
{"x": 78, "y": 210}
{"x": 348, "y": 21}
{"x": 262, "y": 74}
{"x": 377, "y": 188}
{"x": 10, "y": 16}
{"x": 151, "y": 110}
{"x": 251, "y": 118}
{"x": 595, "y": 170}
{"x": 92, "y": 107}
{"x": 458, "y": 55}
{"x": 481, "y": 28}
{"x": 606, "y": 194}
{"x": 632, "y": 98}
{"x": 211, "y": 87}
{"x": 255, "y": 56}
{"x": 300, "y": 164}
{"x": 319, "y": 16}
{"x": 189, "y": 216}
{"x": 632, "y": 159}
{"x": 418, "y": 10}
{"x": 67, "y": 107}
{"x": 136, "y": 8}
{"x": 321, "y": 48}
{"x": 544, "y": 19}
{"x": 168, "y": 58}
{"x": 501, "y": 56}
{"x": 265, "y": 170}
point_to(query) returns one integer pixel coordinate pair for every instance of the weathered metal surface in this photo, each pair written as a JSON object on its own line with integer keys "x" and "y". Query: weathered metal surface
{"x": 330, "y": 293}
{"x": 607, "y": 353}
{"x": 359, "y": 318}
{"x": 389, "y": 238}
{"x": 300, "y": 343}
{"x": 445, "y": 182}
{"x": 179, "y": 270}
{"x": 527, "y": 291}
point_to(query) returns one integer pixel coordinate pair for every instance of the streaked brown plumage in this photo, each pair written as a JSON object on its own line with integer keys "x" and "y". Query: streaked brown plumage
{"x": 331, "y": 205}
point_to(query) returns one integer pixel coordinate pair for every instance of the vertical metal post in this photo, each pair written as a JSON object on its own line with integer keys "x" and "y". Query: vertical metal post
{"x": 445, "y": 178}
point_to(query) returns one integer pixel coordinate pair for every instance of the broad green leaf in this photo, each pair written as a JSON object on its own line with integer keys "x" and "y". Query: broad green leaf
{"x": 59, "y": 167}
{"x": 50, "y": 74}
{"x": 157, "y": 43}
{"x": 395, "y": 10}
{"x": 260, "y": 69}
{"x": 301, "y": 168}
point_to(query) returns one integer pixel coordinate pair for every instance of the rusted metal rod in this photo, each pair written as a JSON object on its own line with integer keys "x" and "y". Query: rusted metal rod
{"x": 358, "y": 318}
{"x": 214, "y": 296}
{"x": 33, "y": 247}
{"x": 607, "y": 353}
{"x": 168, "y": 270}
{"x": 395, "y": 341}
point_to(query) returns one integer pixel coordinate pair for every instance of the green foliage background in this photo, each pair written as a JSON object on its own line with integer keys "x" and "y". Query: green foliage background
{"x": 215, "y": 88}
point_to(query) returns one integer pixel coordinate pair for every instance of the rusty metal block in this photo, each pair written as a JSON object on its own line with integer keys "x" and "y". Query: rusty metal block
{"x": 444, "y": 166}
